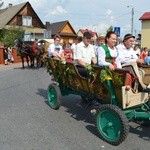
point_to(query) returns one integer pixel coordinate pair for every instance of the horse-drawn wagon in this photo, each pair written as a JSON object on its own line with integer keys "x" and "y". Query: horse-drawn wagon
{"x": 117, "y": 103}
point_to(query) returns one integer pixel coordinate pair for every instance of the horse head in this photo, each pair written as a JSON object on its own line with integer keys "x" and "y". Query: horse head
{"x": 18, "y": 43}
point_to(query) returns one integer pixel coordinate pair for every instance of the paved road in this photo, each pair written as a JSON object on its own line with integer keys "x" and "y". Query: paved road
{"x": 28, "y": 123}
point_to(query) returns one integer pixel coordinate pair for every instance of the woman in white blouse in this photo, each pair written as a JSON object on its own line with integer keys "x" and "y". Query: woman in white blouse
{"x": 107, "y": 53}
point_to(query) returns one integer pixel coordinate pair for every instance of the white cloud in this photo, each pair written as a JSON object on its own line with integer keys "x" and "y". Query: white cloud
{"x": 90, "y": 15}
{"x": 58, "y": 10}
{"x": 108, "y": 12}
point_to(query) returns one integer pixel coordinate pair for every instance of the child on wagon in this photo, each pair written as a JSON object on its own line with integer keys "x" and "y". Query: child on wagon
{"x": 67, "y": 53}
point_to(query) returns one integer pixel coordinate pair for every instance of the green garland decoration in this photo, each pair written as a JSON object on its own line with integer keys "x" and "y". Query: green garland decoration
{"x": 105, "y": 75}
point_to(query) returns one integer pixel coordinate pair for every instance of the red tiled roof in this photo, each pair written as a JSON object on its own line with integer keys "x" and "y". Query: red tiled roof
{"x": 145, "y": 16}
{"x": 86, "y": 30}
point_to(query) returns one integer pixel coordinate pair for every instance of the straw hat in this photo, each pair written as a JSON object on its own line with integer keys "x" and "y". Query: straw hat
{"x": 100, "y": 37}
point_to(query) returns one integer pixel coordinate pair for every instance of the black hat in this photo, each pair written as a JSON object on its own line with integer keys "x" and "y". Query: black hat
{"x": 87, "y": 35}
{"x": 127, "y": 36}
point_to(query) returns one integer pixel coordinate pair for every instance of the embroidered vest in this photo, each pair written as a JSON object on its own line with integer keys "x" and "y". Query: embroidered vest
{"x": 109, "y": 58}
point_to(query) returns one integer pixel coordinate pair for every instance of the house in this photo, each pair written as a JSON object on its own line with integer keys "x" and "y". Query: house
{"x": 63, "y": 28}
{"x": 94, "y": 34}
{"x": 145, "y": 32}
{"x": 23, "y": 15}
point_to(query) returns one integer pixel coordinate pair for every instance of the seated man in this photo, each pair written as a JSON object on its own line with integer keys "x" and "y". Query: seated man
{"x": 85, "y": 54}
{"x": 128, "y": 58}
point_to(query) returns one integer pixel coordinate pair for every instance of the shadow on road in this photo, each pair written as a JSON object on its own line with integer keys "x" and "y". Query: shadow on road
{"x": 141, "y": 131}
{"x": 42, "y": 93}
{"x": 78, "y": 110}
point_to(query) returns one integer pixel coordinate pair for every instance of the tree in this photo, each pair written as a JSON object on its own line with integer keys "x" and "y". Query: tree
{"x": 8, "y": 36}
{"x": 110, "y": 29}
{"x": 1, "y": 3}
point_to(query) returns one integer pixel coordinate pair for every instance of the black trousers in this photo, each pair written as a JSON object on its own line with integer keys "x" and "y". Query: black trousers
{"x": 82, "y": 71}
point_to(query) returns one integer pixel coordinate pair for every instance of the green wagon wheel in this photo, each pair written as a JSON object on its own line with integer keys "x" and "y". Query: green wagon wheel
{"x": 54, "y": 96}
{"x": 112, "y": 124}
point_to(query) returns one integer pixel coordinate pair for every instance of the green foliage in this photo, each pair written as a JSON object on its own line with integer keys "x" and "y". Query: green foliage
{"x": 105, "y": 75}
{"x": 1, "y": 4}
{"x": 110, "y": 29}
{"x": 8, "y": 36}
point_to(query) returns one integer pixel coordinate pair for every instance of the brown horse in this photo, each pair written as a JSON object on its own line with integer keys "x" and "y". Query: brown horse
{"x": 29, "y": 50}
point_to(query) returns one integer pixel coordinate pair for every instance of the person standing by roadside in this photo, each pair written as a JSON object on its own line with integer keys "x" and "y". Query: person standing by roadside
{"x": 6, "y": 55}
{"x": 10, "y": 55}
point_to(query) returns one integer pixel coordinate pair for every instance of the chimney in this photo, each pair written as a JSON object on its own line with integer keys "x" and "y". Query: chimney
{"x": 47, "y": 25}
{"x": 10, "y": 5}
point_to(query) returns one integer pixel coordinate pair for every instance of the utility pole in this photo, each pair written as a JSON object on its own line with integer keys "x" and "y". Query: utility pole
{"x": 132, "y": 19}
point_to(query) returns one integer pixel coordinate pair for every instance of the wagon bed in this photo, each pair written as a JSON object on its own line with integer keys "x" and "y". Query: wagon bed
{"x": 117, "y": 102}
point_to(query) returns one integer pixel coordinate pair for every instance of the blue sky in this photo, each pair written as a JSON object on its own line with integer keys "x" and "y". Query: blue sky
{"x": 97, "y": 15}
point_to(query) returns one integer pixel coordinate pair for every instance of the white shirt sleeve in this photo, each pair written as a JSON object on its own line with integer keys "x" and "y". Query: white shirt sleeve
{"x": 50, "y": 50}
{"x": 102, "y": 57}
{"x": 78, "y": 52}
{"x": 117, "y": 62}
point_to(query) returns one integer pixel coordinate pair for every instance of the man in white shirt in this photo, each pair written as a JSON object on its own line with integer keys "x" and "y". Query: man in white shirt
{"x": 126, "y": 52}
{"x": 85, "y": 53}
{"x": 74, "y": 45}
{"x": 55, "y": 49}
{"x": 128, "y": 59}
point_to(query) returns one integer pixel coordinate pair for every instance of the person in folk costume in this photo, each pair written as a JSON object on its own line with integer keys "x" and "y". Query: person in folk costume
{"x": 129, "y": 60}
{"x": 107, "y": 54}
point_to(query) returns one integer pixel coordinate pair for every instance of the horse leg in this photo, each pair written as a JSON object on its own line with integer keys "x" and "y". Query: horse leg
{"x": 32, "y": 61}
{"x": 22, "y": 62}
{"x": 37, "y": 62}
{"x": 27, "y": 60}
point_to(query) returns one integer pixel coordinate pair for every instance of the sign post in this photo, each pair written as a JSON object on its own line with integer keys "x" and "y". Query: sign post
{"x": 117, "y": 31}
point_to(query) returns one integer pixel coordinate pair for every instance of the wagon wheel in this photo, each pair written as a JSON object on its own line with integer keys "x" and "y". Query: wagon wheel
{"x": 112, "y": 124}
{"x": 54, "y": 96}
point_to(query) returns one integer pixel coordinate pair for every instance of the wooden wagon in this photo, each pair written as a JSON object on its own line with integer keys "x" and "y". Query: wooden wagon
{"x": 117, "y": 103}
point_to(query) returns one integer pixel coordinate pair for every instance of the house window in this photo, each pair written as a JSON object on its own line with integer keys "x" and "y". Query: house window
{"x": 26, "y": 20}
